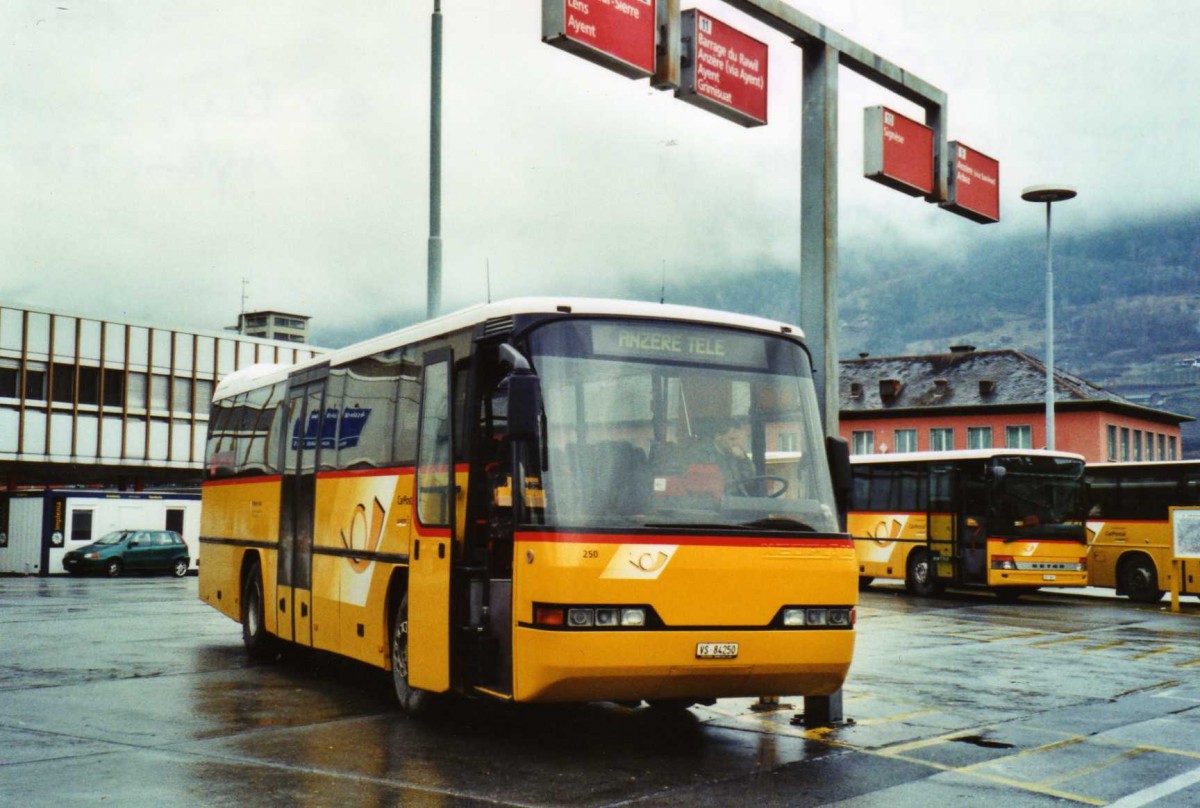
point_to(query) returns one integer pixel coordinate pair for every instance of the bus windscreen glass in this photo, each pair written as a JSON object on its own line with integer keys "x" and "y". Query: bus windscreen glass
{"x": 673, "y": 425}
{"x": 1038, "y": 497}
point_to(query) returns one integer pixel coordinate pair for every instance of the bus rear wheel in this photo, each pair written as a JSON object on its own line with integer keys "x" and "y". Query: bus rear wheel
{"x": 920, "y": 579}
{"x": 412, "y": 700}
{"x": 1139, "y": 580}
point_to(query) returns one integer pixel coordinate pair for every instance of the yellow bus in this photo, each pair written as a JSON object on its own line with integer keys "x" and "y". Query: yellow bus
{"x": 1129, "y": 526}
{"x": 1008, "y": 519}
{"x": 530, "y": 500}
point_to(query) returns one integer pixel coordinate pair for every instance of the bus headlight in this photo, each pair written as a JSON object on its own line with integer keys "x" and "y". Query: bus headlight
{"x": 550, "y": 615}
{"x": 1003, "y": 563}
{"x": 821, "y": 617}
{"x": 579, "y": 618}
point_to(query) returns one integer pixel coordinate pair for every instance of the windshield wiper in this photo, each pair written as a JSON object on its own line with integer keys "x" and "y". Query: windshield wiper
{"x": 780, "y": 523}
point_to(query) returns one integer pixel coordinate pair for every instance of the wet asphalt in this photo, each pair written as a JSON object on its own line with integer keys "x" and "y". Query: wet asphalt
{"x": 132, "y": 692}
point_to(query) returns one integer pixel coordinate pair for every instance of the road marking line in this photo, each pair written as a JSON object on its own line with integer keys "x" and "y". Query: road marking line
{"x": 1110, "y": 646}
{"x": 1156, "y": 792}
{"x": 1166, "y": 650}
{"x": 1058, "y": 641}
{"x": 1190, "y": 664}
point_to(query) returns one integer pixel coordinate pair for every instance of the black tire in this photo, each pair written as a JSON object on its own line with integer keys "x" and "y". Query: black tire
{"x": 260, "y": 645}
{"x": 919, "y": 576}
{"x": 113, "y": 568}
{"x": 865, "y": 581}
{"x": 412, "y": 700}
{"x": 180, "y": 567}
{"x": 1139, "y": 580}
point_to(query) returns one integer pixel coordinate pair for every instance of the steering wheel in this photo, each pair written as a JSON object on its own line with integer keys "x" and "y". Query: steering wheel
{"x": 740, "y": 485}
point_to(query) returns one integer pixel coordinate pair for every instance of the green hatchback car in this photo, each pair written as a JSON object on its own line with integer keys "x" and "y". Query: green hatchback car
{"x": 132, "y": 550}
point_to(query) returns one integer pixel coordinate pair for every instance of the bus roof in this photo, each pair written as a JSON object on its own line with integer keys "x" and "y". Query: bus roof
{"x": 1148, "y": 465}
{"x": 260, "y": 375}
{"x": 962, "y": 454}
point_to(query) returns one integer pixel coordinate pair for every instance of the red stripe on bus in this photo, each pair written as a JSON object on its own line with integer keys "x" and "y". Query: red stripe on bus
{"x": 699, "y": 541}
{"x": 393, "y": 471}
{"x": 266, "y": 478}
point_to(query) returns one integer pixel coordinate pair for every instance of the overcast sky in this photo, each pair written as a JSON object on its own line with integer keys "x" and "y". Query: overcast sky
{"x": 153, "y": 153}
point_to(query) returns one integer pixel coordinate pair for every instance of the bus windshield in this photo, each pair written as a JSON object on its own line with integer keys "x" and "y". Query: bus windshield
{"x": 651, "y": 424}
{"x": 1038, "y": 497}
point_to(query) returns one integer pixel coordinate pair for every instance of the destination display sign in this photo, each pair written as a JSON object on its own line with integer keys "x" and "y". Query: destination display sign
{"x": 723, "y": 70}
{"x": 897, "y": 151}
{"x": 679, "y": 343}
{"x": 974, "y": 184}
{"x": 617, "y": 34}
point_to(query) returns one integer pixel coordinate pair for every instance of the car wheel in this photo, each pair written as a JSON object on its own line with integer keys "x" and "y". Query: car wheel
{"x": 919, "y": 578}
{"x": 412, "y": 700}
{"x": 260, "y": 645}
{"x": 180, "y": 567}
{"x": 113, "y": 568}
{"x": 1139, "y": 580}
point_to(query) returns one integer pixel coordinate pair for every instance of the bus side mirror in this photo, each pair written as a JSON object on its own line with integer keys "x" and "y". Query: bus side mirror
{"x": 524, "y": 405}
{"x": 837, "y": 449}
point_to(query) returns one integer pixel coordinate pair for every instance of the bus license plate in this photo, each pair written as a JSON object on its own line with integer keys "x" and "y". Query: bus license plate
{"x": 1049, "y": 577}
{"x": 716, "y": 650}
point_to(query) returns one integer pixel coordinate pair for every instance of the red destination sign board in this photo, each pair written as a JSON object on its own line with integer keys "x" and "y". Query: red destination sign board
{"x": 617, "y": 34}
{"x": 723, "y": 71}
{"x": 974, "y": 184}
{"x": 897, "y": 151}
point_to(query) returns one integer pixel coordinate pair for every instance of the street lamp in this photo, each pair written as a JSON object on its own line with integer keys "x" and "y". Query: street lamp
{"x": 1049, "y": 194}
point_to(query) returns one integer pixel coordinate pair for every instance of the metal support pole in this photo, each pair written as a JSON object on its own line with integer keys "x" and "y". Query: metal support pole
{"x": 1049, "y": 334}
{"x": 434, "y": 276}
{"x": 818, "y": 223}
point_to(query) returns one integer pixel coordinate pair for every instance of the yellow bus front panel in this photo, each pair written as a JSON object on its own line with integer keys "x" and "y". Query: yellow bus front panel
{"x": 716, "y": 591}
{"x": 1037, "y": 563}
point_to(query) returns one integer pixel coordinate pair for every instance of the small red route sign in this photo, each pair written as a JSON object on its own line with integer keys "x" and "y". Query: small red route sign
{"x": 897, "y": 151}
{"x": 723, "y": 70}
{"x": 617, "y": 34}
{"x": 974, "y": 184}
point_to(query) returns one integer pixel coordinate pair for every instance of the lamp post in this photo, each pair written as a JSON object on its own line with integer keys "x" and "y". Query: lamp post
{"x": 1049, "y": 194}
{"x": 433, "y": 294}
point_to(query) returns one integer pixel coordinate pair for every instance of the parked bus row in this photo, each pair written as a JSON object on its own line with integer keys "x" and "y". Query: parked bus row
{"x": 1018, "y": 520}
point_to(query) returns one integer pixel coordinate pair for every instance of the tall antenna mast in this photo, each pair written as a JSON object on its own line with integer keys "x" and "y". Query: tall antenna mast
{"x": 242, "y": 315}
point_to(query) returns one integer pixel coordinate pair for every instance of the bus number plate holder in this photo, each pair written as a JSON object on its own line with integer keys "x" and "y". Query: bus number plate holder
{"x": 716, "y": 650}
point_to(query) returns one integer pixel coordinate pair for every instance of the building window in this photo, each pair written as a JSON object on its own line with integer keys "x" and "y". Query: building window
{"x": 1162, "y": 447}
{"x": 941, "y": 439}
{"x": 10, "y": 378}
{"x": 1018, "y": 437}
{"x": 114, "y": 388}
{"x": 1137, "y": 445}
{"x": 89, "y": 385}
{"x": 862, "y": 442}
{"x": 906, "y": 440}
{"x": 1125, "y": 443}
{"x": 63, "y": 383}
{"x": 1171, "y": 447}
{"x": 789, "y": 442}
{"x": 81, "y": 526}
{"x": 1112, "y": 443}
{"x": 979, "y": 437}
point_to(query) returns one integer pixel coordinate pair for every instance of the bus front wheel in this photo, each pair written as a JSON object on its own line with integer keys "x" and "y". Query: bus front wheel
{"x": 920, "y": 579}
{"x": 413, "y": 701}
{"x": 260, "y": 645}
{"x": 1139, "y": 580}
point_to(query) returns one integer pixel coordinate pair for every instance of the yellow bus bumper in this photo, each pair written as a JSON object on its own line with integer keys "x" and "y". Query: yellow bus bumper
{"x": 579, "y": 666}
{"x": 1057, "y": 578}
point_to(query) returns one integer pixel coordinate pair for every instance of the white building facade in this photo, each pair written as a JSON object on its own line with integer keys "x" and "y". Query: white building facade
{"x": 88, "y": 400}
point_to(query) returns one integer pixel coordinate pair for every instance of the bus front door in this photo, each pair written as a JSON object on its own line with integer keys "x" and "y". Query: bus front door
{"x": 943, "y": 525}
{"x": 301, "y": 446}
{"x": 432, "y": 541}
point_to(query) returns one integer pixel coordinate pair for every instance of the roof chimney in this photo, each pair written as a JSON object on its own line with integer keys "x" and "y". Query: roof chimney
{"x": 959, "y": 349}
